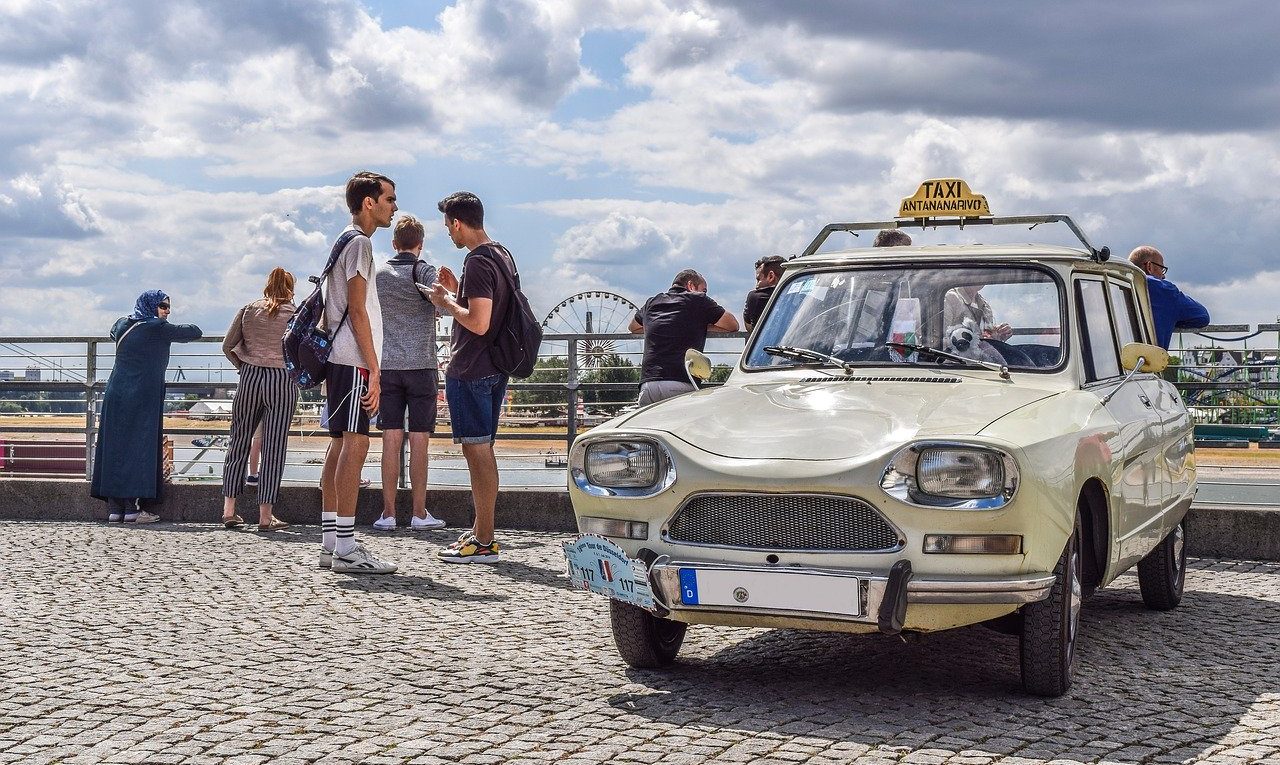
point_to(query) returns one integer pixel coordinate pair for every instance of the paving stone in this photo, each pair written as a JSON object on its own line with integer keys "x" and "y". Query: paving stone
{"x": 185, "y": 643}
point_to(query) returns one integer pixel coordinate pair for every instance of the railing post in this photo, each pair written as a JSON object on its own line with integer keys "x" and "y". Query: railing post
{"x": 90, "y": 406}
{"x": 572, "y": 385}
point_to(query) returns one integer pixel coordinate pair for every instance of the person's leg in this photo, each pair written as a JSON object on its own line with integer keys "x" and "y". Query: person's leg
{"x": 392, "y": 443}
{"x": 349, "y": 557}
{"x": 355, "y": 447}
{"x": 482, "y": 464}
{"x": 273, "y": 434}
{"x": 418, "y": 445}
{"x": 255, "y": 454}
{"x": 246, "y": 413}
{"x": 329, "y": 494}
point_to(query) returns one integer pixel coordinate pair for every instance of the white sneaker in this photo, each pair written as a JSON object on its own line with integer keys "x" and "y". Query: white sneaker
{"x": 361, "y": 561}
{"x": 326, "y": 557}
{"x": 115, "y": 518}
{"x": 142, "y": 517}
{"x": 427, "y": 523}
{"x": 385, "y": 524}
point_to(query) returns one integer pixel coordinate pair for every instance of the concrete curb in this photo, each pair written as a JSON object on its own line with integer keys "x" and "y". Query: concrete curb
{"x": 1247, "y": 532}
{"x": 68, "y": 500}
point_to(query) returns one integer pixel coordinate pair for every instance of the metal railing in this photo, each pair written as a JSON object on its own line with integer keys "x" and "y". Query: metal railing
{"x": 52, "y": 386}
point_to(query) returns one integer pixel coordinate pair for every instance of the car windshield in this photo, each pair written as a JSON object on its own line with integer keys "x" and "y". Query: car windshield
{"x": 1006, "y": 315}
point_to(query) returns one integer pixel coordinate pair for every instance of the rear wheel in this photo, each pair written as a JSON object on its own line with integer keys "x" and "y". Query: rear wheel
{"x": 1163, "y": 572}
{"x": 1050, "y": 627}
{"x": 644, "y": 640}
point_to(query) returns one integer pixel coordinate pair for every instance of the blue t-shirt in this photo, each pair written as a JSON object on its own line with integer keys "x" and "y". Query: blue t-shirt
{"x": 1171, "y": 309}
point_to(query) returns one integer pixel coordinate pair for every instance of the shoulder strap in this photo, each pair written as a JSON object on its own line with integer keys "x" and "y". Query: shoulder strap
{"x": 512, "y": 275}
{"x": 417, "y": 263}
{"x": 127, "y": 331}
{"x": 338, "y": 247}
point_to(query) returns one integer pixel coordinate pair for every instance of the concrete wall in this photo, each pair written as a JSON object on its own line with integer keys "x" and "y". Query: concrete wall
{"x": 1227, "y": 532}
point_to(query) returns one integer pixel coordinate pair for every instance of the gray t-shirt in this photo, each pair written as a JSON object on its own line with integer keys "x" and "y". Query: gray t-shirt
{"x": 408, "y": 318}
{"x": 356, "y": 258}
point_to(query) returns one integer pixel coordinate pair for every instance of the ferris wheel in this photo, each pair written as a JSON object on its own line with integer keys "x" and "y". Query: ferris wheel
{"x": 591, "y": 313}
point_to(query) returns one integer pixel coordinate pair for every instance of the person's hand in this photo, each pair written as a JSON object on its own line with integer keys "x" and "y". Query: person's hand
{"x": 439, "y": 295}
{"x": 373, "y": 393}
{"x": 445, "y": 276}
{"x": 1000, "y": 332}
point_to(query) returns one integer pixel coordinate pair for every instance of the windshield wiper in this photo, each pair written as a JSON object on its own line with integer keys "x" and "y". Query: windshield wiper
{"x": 807, "y": 355}
{"x": 937, "y": 353}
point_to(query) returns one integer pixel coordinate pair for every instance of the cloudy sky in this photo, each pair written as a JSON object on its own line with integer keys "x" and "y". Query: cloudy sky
{"x": 192, "y": 145}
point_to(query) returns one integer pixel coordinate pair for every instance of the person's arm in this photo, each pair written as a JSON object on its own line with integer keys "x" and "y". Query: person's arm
{"x": 182, "y": 333}
{"x": 1191, "y": 314}
{"x": 362, "y": 330}
{"x": 636, "y": 327}
{"x": 475, "y": 317}
{"x": 446, "y": 277}
{"x": 235, "y": 333}
{"x": 726, "y": 323}
{"x": 752, "y": 310}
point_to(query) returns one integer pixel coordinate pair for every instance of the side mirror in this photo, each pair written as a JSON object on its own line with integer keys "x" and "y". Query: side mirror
{"x": 1154, "y": 358}
{"x": 697, "y": 365}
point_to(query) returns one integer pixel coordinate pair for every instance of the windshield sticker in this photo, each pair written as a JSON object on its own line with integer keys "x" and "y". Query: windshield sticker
{"x": 596, "y": 564}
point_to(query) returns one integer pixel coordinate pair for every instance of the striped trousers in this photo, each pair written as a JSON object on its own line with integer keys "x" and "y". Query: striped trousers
{"x": 265, "y": 396}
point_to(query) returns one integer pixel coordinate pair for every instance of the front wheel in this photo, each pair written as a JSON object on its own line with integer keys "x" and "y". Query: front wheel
{"x": 644, "y": 640}
{"x": 1050, "y": 627}
{"x": 1163, "y": 572}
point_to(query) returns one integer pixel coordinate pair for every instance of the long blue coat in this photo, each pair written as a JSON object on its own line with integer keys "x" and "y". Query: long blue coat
{"x": 126, "y": 461}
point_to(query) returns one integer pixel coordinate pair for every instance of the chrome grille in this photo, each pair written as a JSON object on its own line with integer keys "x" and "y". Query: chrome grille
{"x": 782, "y": 522}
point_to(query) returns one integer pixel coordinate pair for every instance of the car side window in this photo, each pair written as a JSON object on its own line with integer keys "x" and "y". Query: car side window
{"x": 1102, "y": 358}
{"x": 1126, "y": 314}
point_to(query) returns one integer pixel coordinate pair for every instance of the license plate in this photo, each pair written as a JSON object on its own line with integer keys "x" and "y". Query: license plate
{"x": 773, "y": 590}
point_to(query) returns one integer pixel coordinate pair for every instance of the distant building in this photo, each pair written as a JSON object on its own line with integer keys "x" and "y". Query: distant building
{"x": 5, "y": 374}
{"x": 33, "y": 374}
{"x": 210, "y": 410}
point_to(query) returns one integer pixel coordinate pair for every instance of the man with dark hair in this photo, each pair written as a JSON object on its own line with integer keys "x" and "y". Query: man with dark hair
{"x": 473, "y": 386}
{"x": 892, "y": 237}
{"x": 352, "y": 386}
{"x": 673, "y": 322}
{"x": 409, "y": 372}
{"x": 768, "y": 272}
{"x": 1170, "y": 307}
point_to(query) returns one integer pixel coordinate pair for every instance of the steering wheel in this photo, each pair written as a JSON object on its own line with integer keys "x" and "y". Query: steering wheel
{"x": 1013, "y": 356}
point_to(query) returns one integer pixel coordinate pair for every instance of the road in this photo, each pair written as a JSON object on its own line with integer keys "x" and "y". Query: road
{"x": 188, "y": 644}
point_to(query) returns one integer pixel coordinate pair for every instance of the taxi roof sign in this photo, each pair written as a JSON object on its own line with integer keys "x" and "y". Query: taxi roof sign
{"x": 944, "y": 198}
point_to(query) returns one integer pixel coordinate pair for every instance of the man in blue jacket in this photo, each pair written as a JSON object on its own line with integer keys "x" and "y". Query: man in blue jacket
{"x": 1170, "y": 308}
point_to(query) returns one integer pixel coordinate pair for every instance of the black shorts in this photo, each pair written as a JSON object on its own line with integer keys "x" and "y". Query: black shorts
{"x": 412, "y": 389}
{"x": 344, "y": 387}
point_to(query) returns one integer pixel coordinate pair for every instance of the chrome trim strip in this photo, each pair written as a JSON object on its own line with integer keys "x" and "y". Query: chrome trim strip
{"x": 1022, "y": 589}
{"x": 666, "y": 524}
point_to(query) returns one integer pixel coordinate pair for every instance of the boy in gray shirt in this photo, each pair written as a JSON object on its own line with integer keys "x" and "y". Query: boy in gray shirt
{"x": 409, "y": 372}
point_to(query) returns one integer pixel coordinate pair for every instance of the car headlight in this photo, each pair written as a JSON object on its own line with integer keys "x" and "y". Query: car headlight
{"x": 954, "y": 476}
{"x": 626, "y": 467}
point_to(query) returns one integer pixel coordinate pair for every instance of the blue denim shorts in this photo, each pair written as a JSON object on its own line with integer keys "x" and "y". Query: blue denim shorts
{"x": 474, "y": 406}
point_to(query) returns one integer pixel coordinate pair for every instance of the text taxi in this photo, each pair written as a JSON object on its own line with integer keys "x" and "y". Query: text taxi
{"x": 915, "y": 439}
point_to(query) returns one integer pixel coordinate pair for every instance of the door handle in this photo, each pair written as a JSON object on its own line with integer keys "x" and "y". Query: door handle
{"x": 1145, "y": 401}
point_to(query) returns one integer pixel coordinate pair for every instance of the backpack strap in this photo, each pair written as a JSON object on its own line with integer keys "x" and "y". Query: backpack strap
{"x": 512, "y": 275}
{"x": 338, "y": 247}
{"x": 416, "y": 281}
{"x": 132, "y": 327}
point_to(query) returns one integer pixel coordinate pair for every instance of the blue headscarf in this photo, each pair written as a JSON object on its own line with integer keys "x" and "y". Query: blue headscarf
{"x": 145, "y": 307}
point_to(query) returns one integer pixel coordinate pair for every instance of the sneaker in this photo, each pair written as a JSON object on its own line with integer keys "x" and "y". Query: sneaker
{"x": 385, "y": 524}
{"x": 427, "y": 523}
{"x": 326, "y": 557}
{"x": 115, "y": 518}
{"x": 462, "y": 540}
{"x": 251, "y": 480}
{"x": 361, "y": 561}
{"x": 142, "y": 517}
{"x": 470, "y": 551}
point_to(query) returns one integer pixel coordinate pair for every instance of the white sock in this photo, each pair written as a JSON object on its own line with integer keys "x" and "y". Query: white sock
{"x": 346, "y": 534}
{"x": 328, "y": 530}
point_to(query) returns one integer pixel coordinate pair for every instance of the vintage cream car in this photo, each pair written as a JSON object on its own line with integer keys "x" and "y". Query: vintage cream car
{"x": 914, "y": 439}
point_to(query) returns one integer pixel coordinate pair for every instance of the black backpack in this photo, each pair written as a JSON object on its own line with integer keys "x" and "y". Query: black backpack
{"x": 519, "y": 335}
{"x": 307, "y": 347}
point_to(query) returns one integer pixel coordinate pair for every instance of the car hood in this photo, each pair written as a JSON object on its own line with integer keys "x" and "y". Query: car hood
{"x": 832, "y": 420}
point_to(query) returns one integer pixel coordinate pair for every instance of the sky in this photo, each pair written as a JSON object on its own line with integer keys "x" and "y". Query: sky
{"x": 193, "y": 145}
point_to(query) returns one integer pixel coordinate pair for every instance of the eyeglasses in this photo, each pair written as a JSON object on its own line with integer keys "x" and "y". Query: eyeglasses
{"x": 165, "y": 306}
{"x": 1163, "y": 268}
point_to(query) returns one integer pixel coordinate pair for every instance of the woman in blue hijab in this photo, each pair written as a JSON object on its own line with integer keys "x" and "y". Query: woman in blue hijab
{"x": 127, "y": 465}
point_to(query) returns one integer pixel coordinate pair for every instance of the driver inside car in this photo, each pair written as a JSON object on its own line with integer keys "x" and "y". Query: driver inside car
{"x": 968, "y": 321}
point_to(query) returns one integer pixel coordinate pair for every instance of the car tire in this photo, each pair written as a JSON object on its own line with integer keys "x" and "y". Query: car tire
{"x": 1162, "y": 574}
{"x": 644, "y": 640}
{"x": 1051, "y": 627}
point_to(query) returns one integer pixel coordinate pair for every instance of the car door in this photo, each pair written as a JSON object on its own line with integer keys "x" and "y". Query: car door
{"x": 1137, "y": 490}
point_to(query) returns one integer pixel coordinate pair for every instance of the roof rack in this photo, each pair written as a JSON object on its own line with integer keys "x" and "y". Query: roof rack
{"x": 1031, "y": 221}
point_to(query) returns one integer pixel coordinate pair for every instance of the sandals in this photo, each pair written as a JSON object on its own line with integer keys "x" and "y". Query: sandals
{"x": 275, "y": 525}
{"x": 232, "y": 523}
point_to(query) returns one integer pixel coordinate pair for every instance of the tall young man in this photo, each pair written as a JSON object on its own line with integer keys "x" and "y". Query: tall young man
{"x": 409, "y": 375}
{"x": 352, "y": 383}
{"x": 473, "y": 386}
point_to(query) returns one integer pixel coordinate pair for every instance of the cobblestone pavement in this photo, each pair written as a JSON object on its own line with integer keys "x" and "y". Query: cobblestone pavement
{"x": 186, "y": 644}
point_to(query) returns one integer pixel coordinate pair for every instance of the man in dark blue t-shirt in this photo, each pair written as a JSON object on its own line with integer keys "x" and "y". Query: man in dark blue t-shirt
{"x": 673, "y": 322}
{"x": 1170, "y": 308}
